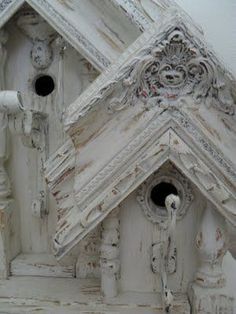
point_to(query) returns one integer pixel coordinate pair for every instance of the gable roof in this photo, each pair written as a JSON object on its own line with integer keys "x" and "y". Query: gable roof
{"x": 96, "y": 30}
{"x": 167, "y": 98}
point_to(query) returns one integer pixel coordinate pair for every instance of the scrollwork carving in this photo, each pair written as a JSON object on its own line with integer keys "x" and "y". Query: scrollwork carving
{"x": 170, "y": 69}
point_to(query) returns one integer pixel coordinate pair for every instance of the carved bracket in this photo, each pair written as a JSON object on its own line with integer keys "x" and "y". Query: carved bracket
{"x": 27, "y": 123}
{"x": 31, "y": 126}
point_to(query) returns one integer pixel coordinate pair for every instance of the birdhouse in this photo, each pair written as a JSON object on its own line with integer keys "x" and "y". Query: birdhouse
{"x": 117, "y": 161}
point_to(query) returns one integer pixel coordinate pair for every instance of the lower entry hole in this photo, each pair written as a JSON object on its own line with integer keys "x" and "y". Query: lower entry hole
{"x": 44, "y": 85}
{"x": 160, "y": 191}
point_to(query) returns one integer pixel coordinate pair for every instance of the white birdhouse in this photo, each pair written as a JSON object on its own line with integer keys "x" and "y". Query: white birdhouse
{"x": 117, "y": 161}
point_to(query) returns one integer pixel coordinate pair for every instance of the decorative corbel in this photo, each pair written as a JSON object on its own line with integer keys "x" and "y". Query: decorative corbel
{"x": 31, "y": 126}
{"x": 27, "y": 123}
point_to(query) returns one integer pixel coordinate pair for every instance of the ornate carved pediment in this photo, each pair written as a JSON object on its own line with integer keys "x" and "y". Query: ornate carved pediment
{"x": 167, "y": 98}
{"x": 173, "y": 68}
{"x": 161, "y": 68}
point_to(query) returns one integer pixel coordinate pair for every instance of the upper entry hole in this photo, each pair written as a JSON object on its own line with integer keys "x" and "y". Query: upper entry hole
{"x": 44, "y": 85}
{"x": 160, "y": 191}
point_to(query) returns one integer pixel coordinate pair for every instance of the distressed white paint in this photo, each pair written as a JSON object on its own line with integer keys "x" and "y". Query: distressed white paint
{"x": 109, "y": 150}
{"x": 40, "y": 265}
{"x": 141, "y": 278}
{"x": 48, "y": 296}
{"x": 110, "y": 262}
{"x": 98, "y": 174}
{"x": 35, "y": 233}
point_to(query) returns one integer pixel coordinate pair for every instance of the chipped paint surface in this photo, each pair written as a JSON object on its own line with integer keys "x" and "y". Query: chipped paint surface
{"x": 138, "y": 116}
{"x": 84, "y": 296}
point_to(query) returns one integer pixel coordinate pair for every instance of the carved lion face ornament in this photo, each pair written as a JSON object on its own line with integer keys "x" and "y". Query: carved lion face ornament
{"x": 175, "y": 67}
{"x": 171, "y": 68}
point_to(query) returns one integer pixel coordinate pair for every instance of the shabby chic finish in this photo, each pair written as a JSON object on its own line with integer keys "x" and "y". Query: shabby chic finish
{"x": 28, "y": 124}
{"x": 208, "y": 291}
{"x": 163, "y": 113}
{"x": 162, "y": 116}
{"x": 110, "y": 263}
{"x": 152, "y": 104}
{"x": 111, "y": 38}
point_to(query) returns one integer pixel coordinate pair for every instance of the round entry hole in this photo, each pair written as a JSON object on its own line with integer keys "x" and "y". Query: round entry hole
{"x": 160, "y": 191}
{"x": 44, "y": 85}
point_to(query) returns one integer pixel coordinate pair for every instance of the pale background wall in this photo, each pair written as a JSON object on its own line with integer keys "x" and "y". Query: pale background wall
{"x": 218, "y": 21}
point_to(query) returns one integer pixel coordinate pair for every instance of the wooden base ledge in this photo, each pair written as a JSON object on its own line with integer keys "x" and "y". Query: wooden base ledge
{"x": 44, "y": 265}
{"x": 66, "y": 296}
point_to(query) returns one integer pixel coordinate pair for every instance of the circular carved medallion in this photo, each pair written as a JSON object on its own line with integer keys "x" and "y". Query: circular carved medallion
{"x": 152, "y": 193}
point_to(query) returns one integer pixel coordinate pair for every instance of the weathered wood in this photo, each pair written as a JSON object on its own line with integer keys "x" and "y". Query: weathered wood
{"x": 95, "y": 41}
{"x": 47, "y": 295}
{"x": 212, "y": 244}
{"x": 5, "y": 185}
{"x": 211, "y": 300}
{"x": 208, "y": 293}
{"x": 5, "y": 211}
{"x": 32, "y": 197}
{"x": 44, "y": 265}
{"x": 180, "y": 154}
{"x": 88, "y": 256}
{"x": 164, "y": 113}
{"x": 110, "y": 263}
{"x": 100, "y": 37}
{"x": 133, "y": 93}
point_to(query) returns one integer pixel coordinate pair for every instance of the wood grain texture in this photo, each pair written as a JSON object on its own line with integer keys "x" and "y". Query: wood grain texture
{"x": 47, "y": 295}
{"x": 44, "y": 265}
